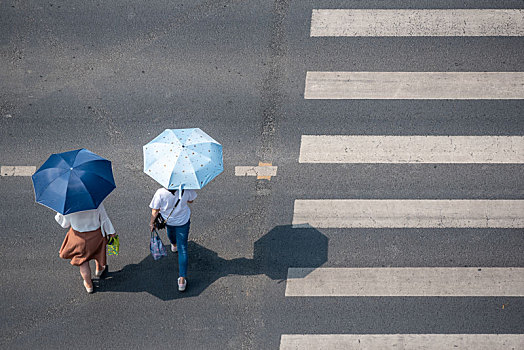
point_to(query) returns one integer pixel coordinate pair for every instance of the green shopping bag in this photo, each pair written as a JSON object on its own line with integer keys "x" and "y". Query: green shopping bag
{"x": 113, "y": 245}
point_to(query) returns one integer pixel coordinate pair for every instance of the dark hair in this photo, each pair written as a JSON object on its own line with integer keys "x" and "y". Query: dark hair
{"x": 174, "y": 191}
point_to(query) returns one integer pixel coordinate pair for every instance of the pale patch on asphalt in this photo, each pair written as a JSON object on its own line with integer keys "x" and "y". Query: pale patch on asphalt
{"x": 17, "y": 170}
{"x": 262, "y": 171}
{"x": 405, "y": 23}
{"x": 411, "y": 149}
{"x": 415, "y": 85}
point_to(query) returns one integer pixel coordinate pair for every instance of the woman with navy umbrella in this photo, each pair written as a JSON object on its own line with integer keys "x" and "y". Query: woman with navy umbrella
{"x": 74, "y": 184}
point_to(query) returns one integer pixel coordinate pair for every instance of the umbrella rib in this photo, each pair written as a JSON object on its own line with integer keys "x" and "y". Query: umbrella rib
{"x": 89, "y": 193}
{"x": 105, "y": 180}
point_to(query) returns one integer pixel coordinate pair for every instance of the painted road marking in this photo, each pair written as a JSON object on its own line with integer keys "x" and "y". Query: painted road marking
{"x": 402, "y": 341}
{"x": 411, "y": 149}
{"x": 454, "y": 22}
{"x": 17, "y": 170}
{"x": 415, "y": 85}
{"x": 408, "y": 213}
{"x": 263, "y": 171}
{"x": 406, "y": 281}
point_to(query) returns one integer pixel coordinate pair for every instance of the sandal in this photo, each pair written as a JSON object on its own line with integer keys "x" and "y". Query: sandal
{"x": 89, "y": 290}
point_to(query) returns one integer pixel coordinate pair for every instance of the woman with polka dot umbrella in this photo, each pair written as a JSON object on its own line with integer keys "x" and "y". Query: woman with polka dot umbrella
{"x": 183, "y": 159}
{"x": 179, "y": 159}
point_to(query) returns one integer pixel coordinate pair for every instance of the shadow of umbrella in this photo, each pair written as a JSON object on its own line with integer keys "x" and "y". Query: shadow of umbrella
{"x": 274, "y": 253}
{"x": 284, "y": 247}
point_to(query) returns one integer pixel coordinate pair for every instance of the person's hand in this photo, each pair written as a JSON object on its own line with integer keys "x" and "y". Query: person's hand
{"x": 152, "y": 227}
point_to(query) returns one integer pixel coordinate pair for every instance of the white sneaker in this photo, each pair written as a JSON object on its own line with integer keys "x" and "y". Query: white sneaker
{"x": 182, "y": 286}
{"x": 174, "y": 249}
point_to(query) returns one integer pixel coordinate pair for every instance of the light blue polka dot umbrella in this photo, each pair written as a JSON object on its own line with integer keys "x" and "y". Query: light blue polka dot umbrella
{"x": 183, "y": 158}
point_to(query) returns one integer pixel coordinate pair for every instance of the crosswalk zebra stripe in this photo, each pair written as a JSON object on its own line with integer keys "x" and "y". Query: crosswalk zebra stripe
{"x": 453, "y": 22}
{"x": 406, "y": 282}
{"x": 415, "y": 85}
{"x": 411, "y": 149}
{"x": 17, "y": 170}
{"x": 401, "y": 341}
{"x": 408, "y": 213}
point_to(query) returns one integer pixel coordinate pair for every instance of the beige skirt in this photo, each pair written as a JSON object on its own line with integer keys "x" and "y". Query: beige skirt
{"x": 84, "y": 246}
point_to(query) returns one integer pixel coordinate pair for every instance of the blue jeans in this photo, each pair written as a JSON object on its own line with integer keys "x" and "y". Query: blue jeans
{"x": 178, "y": 235}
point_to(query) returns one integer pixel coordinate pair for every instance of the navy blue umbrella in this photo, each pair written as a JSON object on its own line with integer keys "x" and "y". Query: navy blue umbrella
{"x": 73, "y": 181}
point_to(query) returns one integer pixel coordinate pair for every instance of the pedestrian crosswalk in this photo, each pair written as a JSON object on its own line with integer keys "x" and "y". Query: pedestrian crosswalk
{"x": 496, "y": 214}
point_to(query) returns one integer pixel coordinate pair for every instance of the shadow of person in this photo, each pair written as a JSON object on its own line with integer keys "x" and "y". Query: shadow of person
{"x": 281, "y": 248}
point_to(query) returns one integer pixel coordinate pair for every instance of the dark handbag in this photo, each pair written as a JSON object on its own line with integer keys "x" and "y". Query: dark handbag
{"x": 160, "y": 222}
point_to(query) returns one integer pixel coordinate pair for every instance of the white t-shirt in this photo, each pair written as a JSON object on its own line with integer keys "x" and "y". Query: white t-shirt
{"x": 165, "y": 201}
{"x": 87, "y": 220}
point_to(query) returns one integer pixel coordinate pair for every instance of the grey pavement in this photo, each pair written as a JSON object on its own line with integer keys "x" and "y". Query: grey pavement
{"x": 110, "y": 76}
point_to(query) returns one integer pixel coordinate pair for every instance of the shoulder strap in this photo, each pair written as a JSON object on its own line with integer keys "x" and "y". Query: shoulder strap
{"x": 178, "y": 201}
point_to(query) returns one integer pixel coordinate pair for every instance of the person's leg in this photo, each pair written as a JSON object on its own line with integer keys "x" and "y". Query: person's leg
{"x": 101, "y": 270}
{"x": 182, "y": 234}
{"x": 171, "y": 234}
{"x": 101, "y": 261}
{"x": 99, "y": 266}
{"x": 85, "y": 271}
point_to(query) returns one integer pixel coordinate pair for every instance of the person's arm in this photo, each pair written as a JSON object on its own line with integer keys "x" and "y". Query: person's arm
{"x": 63, "y": 220}
{"x": 105, "y": 223}
{"x": 192, "y": 196}
{"x": 154, "y": 213}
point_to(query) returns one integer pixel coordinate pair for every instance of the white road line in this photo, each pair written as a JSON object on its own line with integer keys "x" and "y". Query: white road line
{"x": 401, "y": 341}
{"x": 408, "y": 213}
{"x": 415, "y": 85}
{"x": 411, "y": 149}
{"x": 454, "y": 22}
{"x": 405, "y": 281}
{"x": 255, "y": 171}
{"x": 17, "y": 170}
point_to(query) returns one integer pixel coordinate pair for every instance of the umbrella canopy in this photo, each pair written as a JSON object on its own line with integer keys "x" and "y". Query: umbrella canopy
{"x": 183, "y": 158}
{"x": 73, "y": 181}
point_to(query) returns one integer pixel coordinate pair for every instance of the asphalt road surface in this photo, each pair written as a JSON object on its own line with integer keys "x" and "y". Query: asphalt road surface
{"x": 111, "y": 75}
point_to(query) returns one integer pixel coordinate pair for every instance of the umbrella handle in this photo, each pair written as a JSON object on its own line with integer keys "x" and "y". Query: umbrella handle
{"x": 180, "y": 191}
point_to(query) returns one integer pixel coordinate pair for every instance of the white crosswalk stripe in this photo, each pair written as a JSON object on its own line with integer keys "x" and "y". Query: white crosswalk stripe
{"x": 454, "y": 22}
{"x": 415, "y": 85}
{"x": 12, "y": 170}
{"x": 405, "y": 282}
{"x": 401, "y": 341}
{"x": 411, "y": 149}
{"x": 408, "y": 213}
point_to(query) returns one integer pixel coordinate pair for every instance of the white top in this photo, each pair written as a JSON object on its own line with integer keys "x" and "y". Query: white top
{"x": 87, "y": 220}
{"x": 164, "y": 200}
